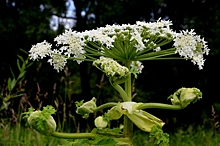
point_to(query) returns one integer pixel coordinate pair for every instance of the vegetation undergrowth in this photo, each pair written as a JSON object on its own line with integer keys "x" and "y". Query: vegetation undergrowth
{"x": 19, "y": 135}
{"x": 192, "y": 136}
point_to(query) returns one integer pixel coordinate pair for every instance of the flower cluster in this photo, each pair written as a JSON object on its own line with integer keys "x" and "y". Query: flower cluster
{"x": 137, "y": 66}
{"x": 123, "y": 42}
{"x": 40, "y": 50}
{"x": 189, "y": 45}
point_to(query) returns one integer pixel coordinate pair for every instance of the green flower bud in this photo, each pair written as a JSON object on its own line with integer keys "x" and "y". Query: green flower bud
{"x": 143, "y": 120}
{"x": 87, "y": 108}
{"x": 45, "y": 127}
{"x": 113, "y": 113}
{"x": 140, "y": 118}
{"x": 100, "y": 122}
{"x": 185, "y": 96}
{"x": 111, "y": 68}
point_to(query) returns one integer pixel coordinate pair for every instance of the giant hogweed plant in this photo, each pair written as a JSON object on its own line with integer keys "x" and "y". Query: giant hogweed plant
{"x": 118, "y": 50}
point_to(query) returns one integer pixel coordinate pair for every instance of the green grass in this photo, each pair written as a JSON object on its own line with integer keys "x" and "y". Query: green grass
{"x": 22, "y": 136}
{"x": 192, "y": 136}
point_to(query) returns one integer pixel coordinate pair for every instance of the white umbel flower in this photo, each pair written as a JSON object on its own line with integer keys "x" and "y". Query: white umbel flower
{"x": 40, "y": 50}
{"x": 191, "y": 46}
{"x": 58, "y": 62}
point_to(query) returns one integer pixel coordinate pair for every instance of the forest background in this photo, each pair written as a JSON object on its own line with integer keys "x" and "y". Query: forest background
{"x": 24, "y": 23}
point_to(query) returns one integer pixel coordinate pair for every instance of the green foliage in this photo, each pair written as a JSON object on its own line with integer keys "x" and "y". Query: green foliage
{"x": 78, "y": 104}
{"x": 17, "y": 135}
{"x": 193, "y": 135}
{"x": 108, "y": 131}
{"x": 97, "y": 141}
{"x": 101, "y": 140}
{"x": 44, "y": 115}
{"x": 27, "y": 114}
{"x": 160, "y": 138}
{"x": 11, "y": 91}
{"x": 47, "y": 111}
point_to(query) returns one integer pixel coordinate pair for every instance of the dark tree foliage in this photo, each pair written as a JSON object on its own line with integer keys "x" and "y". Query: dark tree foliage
{"x": 27, "y": 22}
{"x": 23, "y": 23}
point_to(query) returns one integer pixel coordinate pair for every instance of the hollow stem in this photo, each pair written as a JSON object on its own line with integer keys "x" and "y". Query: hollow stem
{"x": 121, "y": 91}
{"x": 160, "y": 106}
{"x": 106, "y": 105}
{"x": 73, "y": 135}
{"x": 128, "y": 125}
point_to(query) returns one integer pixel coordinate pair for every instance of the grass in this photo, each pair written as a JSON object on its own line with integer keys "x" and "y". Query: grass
{"x": 192, "y": 136}
{"x": 18, "y": 135}
{"x": 21, "y": 136}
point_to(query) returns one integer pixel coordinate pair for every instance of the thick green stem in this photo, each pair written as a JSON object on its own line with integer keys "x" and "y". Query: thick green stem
{"x": 83, "y": 135}
{"x": 73, "y": 135}
{"x": 160, "y": 106}
{"x": 106, "y": 105}
{"x": 128, "y": 87}
{"x": 120, "y": 90}
{"x": 128, "y": 125}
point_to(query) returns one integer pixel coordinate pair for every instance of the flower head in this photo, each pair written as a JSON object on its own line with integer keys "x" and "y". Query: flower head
{"x": 126, "y": 42}
{"x": 191, "y": 46}
{"x": 58, "y": 62}
{"x": 40, "y": 50}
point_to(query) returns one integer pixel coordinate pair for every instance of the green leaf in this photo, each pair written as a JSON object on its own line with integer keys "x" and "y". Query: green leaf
{"x": 21, "y": 74}
{"x": 18, "y": 95}
{"x": 27, "y": 114}
{"x": 108, "y": 131}
{"x": 18, "y": 65}
{"x": 47, "y": 111}
{"x": 12, "y": 73}
{"x": 21, "y": 58}
{"x": 159, "y": 137}
{"x": 24, "y": 51}
{"x": 13, "y": 83}
{"x": 29, "y": 64}
{"x": 78, "y": 104}
{"x": 9, "y": 84}
{"x": 4, "y": 105}
{"x": 104, "y": 141}
{"x": 97, "y": 141}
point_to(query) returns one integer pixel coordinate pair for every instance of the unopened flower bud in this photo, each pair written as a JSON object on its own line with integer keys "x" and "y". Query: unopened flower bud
{"x": 46, "y": 127}
{"x": 100, "y": 122}
{"x": 185, "y": 96}
{"x": 86, "y": 108}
